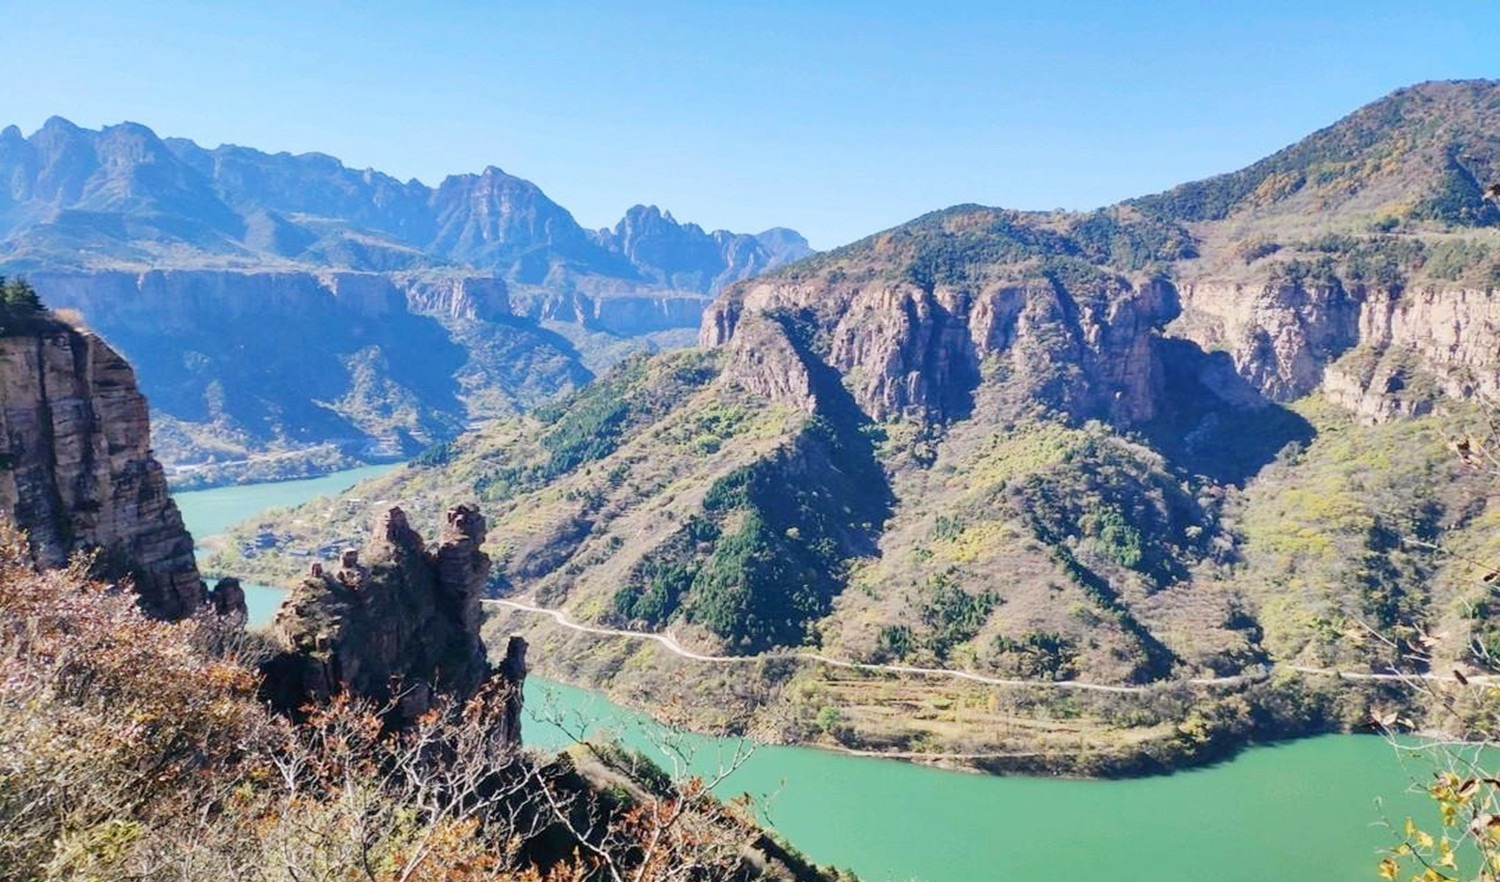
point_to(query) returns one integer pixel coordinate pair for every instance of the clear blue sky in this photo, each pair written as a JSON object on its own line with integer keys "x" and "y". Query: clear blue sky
{"x": 834, "y": 118}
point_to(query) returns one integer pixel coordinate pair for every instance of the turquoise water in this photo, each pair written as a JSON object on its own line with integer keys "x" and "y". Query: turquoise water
{"x": 211, "y": 512}
{"x": 261, "y": 603}
{"x": 1307, "y": 810}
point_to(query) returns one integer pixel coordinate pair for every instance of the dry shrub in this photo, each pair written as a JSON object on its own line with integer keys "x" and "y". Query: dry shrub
{"x": 137, "y": 749}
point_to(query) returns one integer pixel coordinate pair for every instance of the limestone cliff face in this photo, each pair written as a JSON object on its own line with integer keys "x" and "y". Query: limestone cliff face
{"x": 1287, "y": 340}
{"x": 905, "y": 350}
{"x": 623, "y": 314}
{"x": 76, "y": 470}
{"x": 467, "y": 297}
{"x": 394, "y": 623}
{"x": 1281, "y": 336}
{"x": 183, "y": 298}
{"x": 764, "y": 361}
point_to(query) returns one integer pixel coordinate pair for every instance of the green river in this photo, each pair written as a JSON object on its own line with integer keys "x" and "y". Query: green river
{"x": 1306, "y": 810}
{"x": 208, "y": 513}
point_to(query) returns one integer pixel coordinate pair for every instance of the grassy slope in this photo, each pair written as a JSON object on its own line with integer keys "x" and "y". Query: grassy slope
{"x": 1018, "y": 542}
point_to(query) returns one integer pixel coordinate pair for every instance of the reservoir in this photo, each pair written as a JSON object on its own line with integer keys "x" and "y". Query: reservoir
{"x": 1297, "y": 812}
{"x": 208, "y": 513}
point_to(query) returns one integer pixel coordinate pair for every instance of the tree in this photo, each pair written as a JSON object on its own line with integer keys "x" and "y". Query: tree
{"x": 1464, "y": 841}
{"x": 21, "y": 309}
{"x": 19, "y": 296}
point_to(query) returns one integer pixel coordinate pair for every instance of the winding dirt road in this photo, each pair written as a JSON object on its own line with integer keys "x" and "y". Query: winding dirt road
{"x": 668, "y": 641}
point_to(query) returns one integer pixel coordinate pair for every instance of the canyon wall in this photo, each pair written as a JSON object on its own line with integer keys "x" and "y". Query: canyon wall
{"x": 76, "y": 469}
{"x": 1381, "y": 352}
{"x": 906, "y": 350}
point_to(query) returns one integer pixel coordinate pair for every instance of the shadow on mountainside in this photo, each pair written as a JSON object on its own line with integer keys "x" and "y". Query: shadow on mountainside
{"x": 852, "y": 435}
{"x": 1215, "y": 423}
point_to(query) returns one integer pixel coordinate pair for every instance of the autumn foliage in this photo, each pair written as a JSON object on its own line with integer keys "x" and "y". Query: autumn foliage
{"x": 137, "y": 749}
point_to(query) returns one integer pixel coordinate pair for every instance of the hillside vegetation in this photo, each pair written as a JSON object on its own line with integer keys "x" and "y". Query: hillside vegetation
{"x": 133, "y": 748}
{"x": 1172, "y": 465}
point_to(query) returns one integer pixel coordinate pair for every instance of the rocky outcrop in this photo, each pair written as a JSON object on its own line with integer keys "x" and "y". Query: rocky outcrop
{"x": 905, "y": 350}
{"x": 1380, "y": 352}
{"x": 76, "y": 470}
{"x": 395, "y": 623}
{"x": 763, "y": 361}
{"x": 227, "y": 598}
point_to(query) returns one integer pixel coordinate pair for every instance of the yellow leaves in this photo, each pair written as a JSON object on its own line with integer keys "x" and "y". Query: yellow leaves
{"x": 1470, "y": 833}
{"x": 1446, "y": 857}
{"x": 230, "y": 678}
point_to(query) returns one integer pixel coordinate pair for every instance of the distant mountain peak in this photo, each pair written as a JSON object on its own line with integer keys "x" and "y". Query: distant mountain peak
{"x": 59, "y": 124}
{"x": 123, "y": 197}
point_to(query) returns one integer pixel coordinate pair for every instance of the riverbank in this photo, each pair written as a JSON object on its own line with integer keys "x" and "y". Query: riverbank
{"x": 951, "y": 719}
{"x": 1295, "y": 812}
{"x": 212, "y": 512}
{"x": 209, "y": 514}
{"x": 288, "y": 465}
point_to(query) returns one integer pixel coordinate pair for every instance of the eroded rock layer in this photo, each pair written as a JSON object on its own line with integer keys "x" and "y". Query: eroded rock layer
{"x": 395, "y": 623}
{"x": 76, "y": 470}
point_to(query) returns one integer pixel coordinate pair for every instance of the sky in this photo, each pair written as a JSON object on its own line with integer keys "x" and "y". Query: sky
{"x": 837, "y": 119}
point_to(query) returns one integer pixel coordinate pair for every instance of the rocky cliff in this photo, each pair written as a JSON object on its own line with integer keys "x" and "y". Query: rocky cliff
{"x": 76, "y": 469}
{"x": 910, "y": 345}
{"x": 1361, "y": 260}
{"x": 395, "y": 623}
{"x": 1404, "y": 347}
{"x": 1110, "y": 453}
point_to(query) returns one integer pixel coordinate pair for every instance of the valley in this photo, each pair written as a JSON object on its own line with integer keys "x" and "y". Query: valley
{"x": 1302, "y": 811}
{"x": 290, "y": 316}
{"x": 429, "y": 453}
{"x": 1113, "y": 448}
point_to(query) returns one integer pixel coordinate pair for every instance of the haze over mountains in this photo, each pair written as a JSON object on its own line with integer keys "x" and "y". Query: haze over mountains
{"x": 122, "y": 196}
{"x": 1185, "y": 438}
{"x": 288, "y": 305}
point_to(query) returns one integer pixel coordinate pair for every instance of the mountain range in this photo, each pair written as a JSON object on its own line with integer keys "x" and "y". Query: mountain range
{"x": 289, "y": 314}
{"x": 1152, "y": 480}
{"x": 121, "y": 197}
